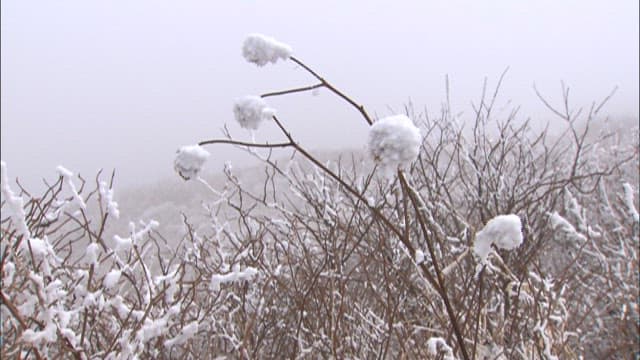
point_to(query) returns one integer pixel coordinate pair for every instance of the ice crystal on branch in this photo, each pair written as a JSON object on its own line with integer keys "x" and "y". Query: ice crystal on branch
{"x": 503, "y": 231}
{"x": 251, "y": 110}
{"x": 189, "y": 161}
{"x": 260, "y": 49}
{"x": 394, "y": 142}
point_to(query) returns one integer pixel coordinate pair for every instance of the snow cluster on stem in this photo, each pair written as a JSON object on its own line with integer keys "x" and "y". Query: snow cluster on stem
{"x": 251, "y": 110}
{"x": 628, "y": 201}
{"x": 68, "y": 175}
{"x": 235, "y": 275}
{"x": 260, "y": 49}
{"x": 503, "y": 231}
{"x": 437, "y": 345}
{"x": 189, "y": 161}
{"x": 106, "y": 196}
{"x": 16, "y": 204}
{"x": 394, "y": 142}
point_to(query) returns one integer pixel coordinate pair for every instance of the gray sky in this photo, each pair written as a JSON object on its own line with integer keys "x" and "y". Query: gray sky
{"x": 104, "y": 84}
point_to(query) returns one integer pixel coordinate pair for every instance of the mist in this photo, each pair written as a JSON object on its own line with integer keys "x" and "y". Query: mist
{"x": 121, "y": 85}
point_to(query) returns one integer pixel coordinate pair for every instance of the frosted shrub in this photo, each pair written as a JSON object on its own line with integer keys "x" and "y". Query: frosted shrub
{"x": 70, "y": 290}
{"x": 324, "y": 259}
{"x": 357, "y": 266}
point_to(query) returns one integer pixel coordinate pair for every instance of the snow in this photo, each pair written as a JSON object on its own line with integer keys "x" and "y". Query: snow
{"x": 64, "y": 172}
{"x": 245, "y": 274}
{"x": 419, "y": 257}
{"x": 189, "y": 161}
{"x": 68, "y": 175}
{"x": 112, "y": 278}
{"x": 126, "y": 243}
{"x": 260, "y": 49}
{"x": 118, "y": 304}
{"x": 187, "y": 333}
{"x": 155, "y": 328}
{"x": 8, "y": 271}
{"x": 91, "y": 255}
{"x": 437, "y": 344}
{"x": 15, "y": 203}
{"x": 394, "y": 142}
{"x": 503, "y": 231}
{"x": 251, "y": 110}
{"x": 41, "y": 248}
{"x": 560, "y": 224}
{"x": 628, "y": 201}
{"x": 106, "y": 197}
{"x": 122, "y": 243}
{"x": 47, "y": 335}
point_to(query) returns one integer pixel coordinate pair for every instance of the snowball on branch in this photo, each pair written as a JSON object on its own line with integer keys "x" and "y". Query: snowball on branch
{"x": 503, "y": 231}
{"x": 394, "y": 142}
{"x": 251, "y": 110}
{"x": 189, "y": 161}
{"x": 260, "y": 49}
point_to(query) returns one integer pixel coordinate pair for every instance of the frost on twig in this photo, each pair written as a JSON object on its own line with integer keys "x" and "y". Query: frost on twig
{"x": 16, "y": 204}
{"x": 235, "y": 275}
{"x": 106, "y": 197}
{"x": 628, "y": 201}
{"x": 67, "y": 175}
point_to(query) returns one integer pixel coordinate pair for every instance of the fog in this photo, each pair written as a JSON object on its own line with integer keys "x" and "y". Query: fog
{"x": 122, "y": 84}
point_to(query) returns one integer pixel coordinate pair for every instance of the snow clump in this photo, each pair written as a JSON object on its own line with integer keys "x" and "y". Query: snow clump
{"x": 260, "y": 49}
{"x": 111, "y": 279}
{"x": 235, "y": 275}
{"x": 503, "y": 231}
{"x": 394, "y": 142}
{"x": 189, "y": 161}
{"x": 14, "y": 202}
{"x": 251, "y": 110}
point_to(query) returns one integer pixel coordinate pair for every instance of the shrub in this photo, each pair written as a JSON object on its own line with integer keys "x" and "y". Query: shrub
{"x": 336, "y": 259}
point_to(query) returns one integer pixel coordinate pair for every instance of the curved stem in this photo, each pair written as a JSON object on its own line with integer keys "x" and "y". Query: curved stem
{"x": 416, "y": 202}
{"x": 334, "y": 90}
{"x": 337, "y": 178}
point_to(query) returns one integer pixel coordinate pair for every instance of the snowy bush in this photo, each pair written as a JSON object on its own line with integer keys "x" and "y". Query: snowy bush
{"x": 324, "y": 259}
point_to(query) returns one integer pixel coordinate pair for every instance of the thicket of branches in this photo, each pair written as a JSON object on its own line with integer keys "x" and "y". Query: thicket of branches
{"x": 331, "y": 259}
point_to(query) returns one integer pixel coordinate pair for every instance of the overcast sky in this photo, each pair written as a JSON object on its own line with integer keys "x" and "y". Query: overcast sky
{"x": 123, "y": 83}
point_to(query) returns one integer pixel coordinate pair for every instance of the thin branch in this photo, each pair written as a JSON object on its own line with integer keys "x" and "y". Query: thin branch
{"x": 242, "y": 143}
{"x": 336, "y": 91}
{"x": 291, "y": 91}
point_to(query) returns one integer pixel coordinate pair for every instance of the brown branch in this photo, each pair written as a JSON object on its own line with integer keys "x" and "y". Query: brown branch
{"x": 291, "y": 91}
{"x": 333, "y": 89}
{"x": 242, "y": 143}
